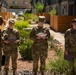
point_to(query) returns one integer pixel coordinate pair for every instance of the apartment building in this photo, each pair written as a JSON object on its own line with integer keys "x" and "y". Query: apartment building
{"x": 19, "y": 3}
{"x": 3, "y": 3}
{"x": 72, "y": 7}
{"x": 63, "y": 7}
{"x": 45, "y": 2}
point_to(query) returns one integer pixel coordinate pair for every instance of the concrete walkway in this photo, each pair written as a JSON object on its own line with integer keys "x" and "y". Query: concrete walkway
{"x": 58, "y": 36}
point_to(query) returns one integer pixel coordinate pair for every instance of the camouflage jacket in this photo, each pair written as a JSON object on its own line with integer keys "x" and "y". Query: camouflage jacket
{"x": 0, "y": 38}
{"x": 37, "y": 30}
{"x": 70, "y": 40}
{"x": 10, "y": 35}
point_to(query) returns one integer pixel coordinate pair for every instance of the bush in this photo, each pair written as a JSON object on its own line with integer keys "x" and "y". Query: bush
{"x": 52, "y": 12}
{"x": 25, "y": 45}
{"x": 25, "y": 34}
{"x": 59, "y": 66}
{"x": 39, "y": 7}
{"x": 25, "y": 49}
{"x": 30, "y": 17}
{"x": 25, "y": 42}
{"x": 21, "y": 24}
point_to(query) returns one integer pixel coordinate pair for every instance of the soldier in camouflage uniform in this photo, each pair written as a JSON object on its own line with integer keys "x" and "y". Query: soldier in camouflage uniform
{"x": 1, "y": 22}
{"x": 70, "y": 44}
{"x": 11, "y": 41}
{"x": 40, "y": 45}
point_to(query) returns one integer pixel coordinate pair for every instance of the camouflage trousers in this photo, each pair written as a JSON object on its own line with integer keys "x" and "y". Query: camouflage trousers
{"x": 0, "y": 58}
{"x": 12, "y": 52}
{"x": 42, "y": 64}
{"x": 72, "y": 68}
{"x": 39, "y": 52}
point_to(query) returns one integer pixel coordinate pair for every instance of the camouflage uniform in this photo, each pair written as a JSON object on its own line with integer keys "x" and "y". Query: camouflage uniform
{"x": 70, "y": 44}
{"x": 10, "y": 49}
{"x": 39, "y": 48}
{"x": 1, "y": 22}
{"x": 0, "y": 51}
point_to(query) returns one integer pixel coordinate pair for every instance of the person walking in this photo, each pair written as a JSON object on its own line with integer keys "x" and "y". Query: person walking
{"x": 11, "y": 41}
{"x": 70, "y": 45}
{"x": 39, "y": 35}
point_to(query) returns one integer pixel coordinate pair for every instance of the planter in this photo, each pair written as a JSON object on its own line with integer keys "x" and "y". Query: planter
{"x": 61, "y": 23}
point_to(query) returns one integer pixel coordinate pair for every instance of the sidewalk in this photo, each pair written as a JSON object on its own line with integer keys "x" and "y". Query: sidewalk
{"x": 58, "y": 36}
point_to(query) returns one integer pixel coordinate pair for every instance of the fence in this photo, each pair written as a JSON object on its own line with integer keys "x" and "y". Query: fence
{"x": 61, "y": 23}
{"x": 6, "y": 15}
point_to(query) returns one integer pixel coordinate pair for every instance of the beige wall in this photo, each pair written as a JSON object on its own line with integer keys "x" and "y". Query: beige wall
{"x": 20, "y": 3}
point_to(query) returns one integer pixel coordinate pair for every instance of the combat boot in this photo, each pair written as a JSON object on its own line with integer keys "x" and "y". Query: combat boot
{"x": 34, "y": 73}
{"x": 42, "y": 73}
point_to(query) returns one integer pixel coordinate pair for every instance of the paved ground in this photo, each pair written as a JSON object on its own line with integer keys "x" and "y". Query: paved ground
{"x": 58, "y": 36}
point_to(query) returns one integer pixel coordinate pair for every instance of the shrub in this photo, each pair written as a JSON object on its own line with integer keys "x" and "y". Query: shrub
{"x": 30, "y": 17}
{"x": 25, "y": 49}
{"x": 25, "y": 42}
{"x": 20, "y": 18}
{"x": 21, "y": 24}
{"x": 39, "y": 7}
{"x": 25, "y": 34}
{"x": 59, "y": 65}
{"x": 25, "y": 45}
{"x": 52, "y": 12}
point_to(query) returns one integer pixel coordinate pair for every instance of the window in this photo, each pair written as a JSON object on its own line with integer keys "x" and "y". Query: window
{"x": 25, "y": 2}
{"x": 14, "y": 2}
